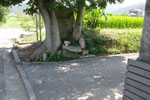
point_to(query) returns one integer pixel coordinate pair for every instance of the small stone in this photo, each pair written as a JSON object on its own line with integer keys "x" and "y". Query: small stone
{"x": 66, "y": 43}
{"x": 44, "y": 56}
{"x": 85, "y": 52}
{"x": 67, "y": 53}
{"x": 59, "y": 52}
{"x": 74, "y": 49}
{"x": 82, "y": 43}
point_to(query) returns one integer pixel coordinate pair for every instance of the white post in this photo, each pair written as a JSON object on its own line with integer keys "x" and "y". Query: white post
{"x": 37, "y": 26}
{"x": 40, "y": 27}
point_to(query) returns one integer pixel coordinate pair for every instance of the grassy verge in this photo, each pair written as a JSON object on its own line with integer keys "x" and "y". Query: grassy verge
{"x": 112, "y": 41}
{"x": 18, "y": 22}
{"x": 108, "y": 41}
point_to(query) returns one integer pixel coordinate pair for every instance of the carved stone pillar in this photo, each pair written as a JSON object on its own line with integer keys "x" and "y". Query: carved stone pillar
{"x": 137, "y": 82}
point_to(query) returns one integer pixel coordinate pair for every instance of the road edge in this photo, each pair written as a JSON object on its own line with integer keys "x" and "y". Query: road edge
{"x": 27, "y": 85}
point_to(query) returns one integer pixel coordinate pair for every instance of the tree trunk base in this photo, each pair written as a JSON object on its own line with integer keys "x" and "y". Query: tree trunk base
{"x": 38, "y": 53}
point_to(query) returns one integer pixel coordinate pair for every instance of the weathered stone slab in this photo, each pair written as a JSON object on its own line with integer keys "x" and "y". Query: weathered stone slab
{"x": 139, "y": 64}
{"x": 139, "y": 71}
{"x": 138, "y": 78}
{"x": 67, "y": 53}
{"x": 138, "y": 85}
{"x": 72, "y": 48}
{"x": 71, "y": 51}
{"x": 132, "y": 96}
{"x": 137, "y": 92}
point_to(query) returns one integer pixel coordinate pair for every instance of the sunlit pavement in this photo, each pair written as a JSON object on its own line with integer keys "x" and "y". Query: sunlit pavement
{"x": 100, "y": 78}
{"x": 11, "y": 86}
{"x": 7, "y": 34}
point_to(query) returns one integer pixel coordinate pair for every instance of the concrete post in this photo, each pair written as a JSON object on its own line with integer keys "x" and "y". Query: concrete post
{"x": 145, "y": 42}
{"x": 137, "y": 82}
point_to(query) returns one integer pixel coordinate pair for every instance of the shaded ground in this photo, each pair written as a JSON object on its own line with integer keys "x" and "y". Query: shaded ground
{"x": 25, "y": 52}
{"x": 100, "y": 78}
{"x": 2, "y": 82}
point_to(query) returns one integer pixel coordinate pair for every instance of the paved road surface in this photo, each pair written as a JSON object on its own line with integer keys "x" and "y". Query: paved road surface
{"x": 100, "y": 78}
{"x": 11, "y": 86}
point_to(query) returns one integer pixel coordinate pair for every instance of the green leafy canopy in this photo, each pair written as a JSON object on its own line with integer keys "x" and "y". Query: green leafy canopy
{"x": 65, "y": 5}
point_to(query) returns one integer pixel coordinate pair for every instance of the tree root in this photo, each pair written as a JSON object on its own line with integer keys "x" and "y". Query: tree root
{"x": 38, "y": 53}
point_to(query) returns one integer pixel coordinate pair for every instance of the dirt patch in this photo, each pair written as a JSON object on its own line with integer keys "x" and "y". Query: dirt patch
{"x": 26, "y": 51}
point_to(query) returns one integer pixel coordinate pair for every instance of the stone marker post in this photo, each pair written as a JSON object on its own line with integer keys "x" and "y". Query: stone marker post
{"x": 137, "y": 82}
{"x": 145, "y": 42}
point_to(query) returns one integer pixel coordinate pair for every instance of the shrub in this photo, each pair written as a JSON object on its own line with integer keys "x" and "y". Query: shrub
{"x": 3, "y": 12}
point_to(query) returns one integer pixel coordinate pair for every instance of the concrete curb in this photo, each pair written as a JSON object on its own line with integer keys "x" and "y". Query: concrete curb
{"x": 23, "y": 76}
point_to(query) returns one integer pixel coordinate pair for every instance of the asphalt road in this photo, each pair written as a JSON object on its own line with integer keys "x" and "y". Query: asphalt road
{"x": 100, "y": 78}
{"x": 11, "y": 86}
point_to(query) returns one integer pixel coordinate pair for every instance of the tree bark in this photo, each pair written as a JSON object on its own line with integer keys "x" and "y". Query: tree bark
{"x": 56, "y": 42}
{"x": 61, "y": 22}
{"x": 77, "y": 34}
{"x": 52, "y": 41}
{"x": 66, "y": 23}
{"x": 145, "y": 42}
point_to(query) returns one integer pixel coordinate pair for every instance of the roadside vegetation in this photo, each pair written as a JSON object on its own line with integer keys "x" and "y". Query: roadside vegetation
{"x": 3, "y": 13}
{"x": 111, "y": 34}
{"x": 96, "y": 18}
{"x": 19, "y": 21}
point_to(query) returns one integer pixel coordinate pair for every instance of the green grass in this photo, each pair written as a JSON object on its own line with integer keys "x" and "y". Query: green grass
{"x": 17, "y": 22}
{"x": 94, "y": 18}
{"x": 121, "y": 22}
{"x": 112, "y": 41}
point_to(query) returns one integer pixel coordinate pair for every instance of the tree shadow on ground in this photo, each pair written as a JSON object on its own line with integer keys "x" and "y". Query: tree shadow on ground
{"x": 100, "y": 78}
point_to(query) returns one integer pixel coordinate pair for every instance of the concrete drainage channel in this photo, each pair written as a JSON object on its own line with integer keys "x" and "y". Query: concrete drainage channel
{"x": 23, "y": 76}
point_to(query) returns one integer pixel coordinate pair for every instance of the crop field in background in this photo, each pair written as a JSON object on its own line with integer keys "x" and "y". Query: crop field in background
{"x": 96, "y": 19}
{"x": 121, "y": 22}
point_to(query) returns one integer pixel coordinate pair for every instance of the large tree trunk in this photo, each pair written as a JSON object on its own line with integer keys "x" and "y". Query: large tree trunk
{"x": 77, "y": 34}
{"x": 56, "y": 42}
{"x": 52, "y": 41}
{"x": 145, "y": 42}
{"x": 66, "y": 22}
{"x": 58, "y": 26}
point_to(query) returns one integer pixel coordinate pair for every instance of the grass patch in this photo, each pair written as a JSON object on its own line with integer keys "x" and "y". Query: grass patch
{"x": 112, "y": 41}
{"x": 18, "y": 22}
{"x": 121, "y": 22}
{"x": 94, "y": 18}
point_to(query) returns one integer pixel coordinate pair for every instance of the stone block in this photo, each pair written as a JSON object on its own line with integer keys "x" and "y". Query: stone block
{"x": 74, "y": 49}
